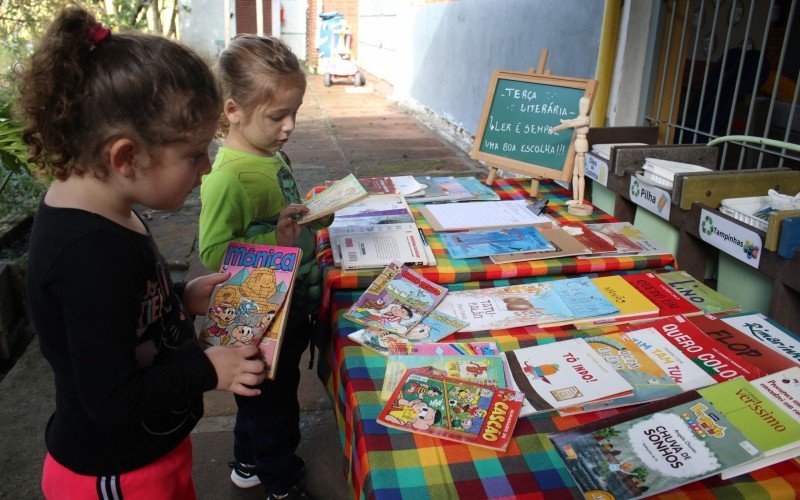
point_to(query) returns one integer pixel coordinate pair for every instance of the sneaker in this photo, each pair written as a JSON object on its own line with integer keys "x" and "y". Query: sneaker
{"x": 298, "y": 491}
{"x": 243, "y": 475}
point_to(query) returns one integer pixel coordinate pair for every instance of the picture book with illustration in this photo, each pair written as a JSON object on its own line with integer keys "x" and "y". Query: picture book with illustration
{"x": 396, "y": 301}
{"x": 444, "y": 349}
{"x": 766, "y": 410}
{"x": 561, "y": 375}
{"x": 506, "y": 307}
{"x": 433, "y": 327}
{"x": 481, "y": 369}
{"x": 483, "y": 243}
{"x": 339, "y": 194}
{"x": 428, "y": 403}
{"x": 699, "y": 294}
{"x": 251, "y": 306}
{"x": 649, "y": 381}
{"x": 652, "y": 448}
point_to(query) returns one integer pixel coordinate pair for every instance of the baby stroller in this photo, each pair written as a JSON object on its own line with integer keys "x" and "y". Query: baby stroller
{"x": 336, "y": 60}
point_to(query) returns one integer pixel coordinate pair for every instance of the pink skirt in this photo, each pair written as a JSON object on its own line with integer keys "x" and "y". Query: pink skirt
{"x": 169, "y": 477}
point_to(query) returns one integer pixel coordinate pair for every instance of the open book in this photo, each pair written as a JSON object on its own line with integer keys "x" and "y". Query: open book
{"x": 252, "y": 306}
{"x": 340, "y": 194}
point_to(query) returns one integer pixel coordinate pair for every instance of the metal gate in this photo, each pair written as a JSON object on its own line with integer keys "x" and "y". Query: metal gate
{"x": 729, "y": 67}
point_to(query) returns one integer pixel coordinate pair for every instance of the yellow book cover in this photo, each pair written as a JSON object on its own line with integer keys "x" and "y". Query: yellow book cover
{"x": 631, "y": 303}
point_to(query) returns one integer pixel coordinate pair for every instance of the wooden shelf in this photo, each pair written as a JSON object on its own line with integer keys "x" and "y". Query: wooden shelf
{"x": 694, "y": 253}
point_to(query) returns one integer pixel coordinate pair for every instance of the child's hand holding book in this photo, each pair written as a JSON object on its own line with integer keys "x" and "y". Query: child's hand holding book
{"x": 236, "y": 371}
{"x": 287, "y": 229}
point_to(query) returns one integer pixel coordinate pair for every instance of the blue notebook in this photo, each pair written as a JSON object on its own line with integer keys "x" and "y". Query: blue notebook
{"x": 482, "y": 243}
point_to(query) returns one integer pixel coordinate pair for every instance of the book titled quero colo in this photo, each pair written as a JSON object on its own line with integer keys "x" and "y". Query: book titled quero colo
{"x": 251, "y": 307}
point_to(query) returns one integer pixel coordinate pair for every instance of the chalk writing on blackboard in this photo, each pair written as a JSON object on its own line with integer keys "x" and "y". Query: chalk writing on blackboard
{"x": 519, "y": 113}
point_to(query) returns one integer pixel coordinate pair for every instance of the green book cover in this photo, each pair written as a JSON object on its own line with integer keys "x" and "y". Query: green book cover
{"x": 699, "y": 294}
{"x": 653, "y": 448}
{"x": 760, "y": 419}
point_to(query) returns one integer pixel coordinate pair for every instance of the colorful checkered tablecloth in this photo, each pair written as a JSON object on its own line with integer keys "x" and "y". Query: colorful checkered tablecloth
{"x": 387, "y": 463}
{"x": 449, "y": 270}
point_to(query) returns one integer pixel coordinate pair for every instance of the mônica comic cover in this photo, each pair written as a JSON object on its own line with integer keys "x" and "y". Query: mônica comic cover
{"x": 251, "y": 306}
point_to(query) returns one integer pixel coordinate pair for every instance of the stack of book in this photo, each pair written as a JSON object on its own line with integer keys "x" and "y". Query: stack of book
{"x": 455, "y": 396}
{"x": 376, "y": 231}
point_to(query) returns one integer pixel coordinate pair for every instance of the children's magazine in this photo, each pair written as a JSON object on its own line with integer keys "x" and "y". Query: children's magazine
{"x": 481, "y": 369}
{"x": 396, "y": 301}
{"x": 250, "y": 307}
{"x": 426, "y": 402}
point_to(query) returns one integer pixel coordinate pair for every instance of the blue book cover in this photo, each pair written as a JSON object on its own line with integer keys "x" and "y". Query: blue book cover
{"x": 479, "y": 190}
{"x": 583, "y": 297}
{"x": 482, "y": 243}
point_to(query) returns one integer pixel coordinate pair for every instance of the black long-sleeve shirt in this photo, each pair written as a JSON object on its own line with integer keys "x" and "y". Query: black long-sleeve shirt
{"x": 129, "y": 374}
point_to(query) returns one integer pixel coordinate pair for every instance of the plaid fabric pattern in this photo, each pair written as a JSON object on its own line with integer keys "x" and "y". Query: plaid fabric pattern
{"x": 448, "y": 270}
{"x": 387, "y": 463}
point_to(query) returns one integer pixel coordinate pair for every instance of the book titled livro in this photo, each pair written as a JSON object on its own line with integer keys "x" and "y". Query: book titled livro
{"x": 251, "y": 307}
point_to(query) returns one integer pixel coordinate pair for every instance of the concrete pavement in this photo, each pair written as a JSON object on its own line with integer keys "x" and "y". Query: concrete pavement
{"x": 341, "y": 129}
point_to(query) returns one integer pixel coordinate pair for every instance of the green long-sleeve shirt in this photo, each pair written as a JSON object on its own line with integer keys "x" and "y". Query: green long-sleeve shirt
{"x": 241, "y": 199}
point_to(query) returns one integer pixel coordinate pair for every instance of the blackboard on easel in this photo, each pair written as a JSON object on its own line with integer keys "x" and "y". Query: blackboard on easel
{"x": 519, "y": 112}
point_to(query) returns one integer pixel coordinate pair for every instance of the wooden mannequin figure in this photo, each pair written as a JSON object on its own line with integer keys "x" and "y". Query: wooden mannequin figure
{"x": 581, "y": 126}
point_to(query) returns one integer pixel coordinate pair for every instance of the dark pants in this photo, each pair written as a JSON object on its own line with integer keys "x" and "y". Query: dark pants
{"x": 267, "y": 429}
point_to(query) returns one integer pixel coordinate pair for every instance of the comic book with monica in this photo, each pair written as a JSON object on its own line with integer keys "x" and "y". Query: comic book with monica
{"x": 396, "y": 301}
{"x": 251, "y": 306}
{"x": 427, "y": 402}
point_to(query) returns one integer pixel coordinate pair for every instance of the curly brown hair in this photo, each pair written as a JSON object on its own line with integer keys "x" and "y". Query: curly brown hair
{"x": 76, "y": 96}
{"x": 252, "y": 70}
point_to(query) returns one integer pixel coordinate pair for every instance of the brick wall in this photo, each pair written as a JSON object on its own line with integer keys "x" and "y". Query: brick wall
{"x": 348, "y": 8}
{"x": 246, "y": 21}
{"x": 311, "y": 33}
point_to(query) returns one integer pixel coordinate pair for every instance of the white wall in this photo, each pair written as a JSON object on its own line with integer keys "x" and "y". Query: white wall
{"x": 203, "y": 28}
{"x": 441, "y": 54}
{"x": 293, "y": 31}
